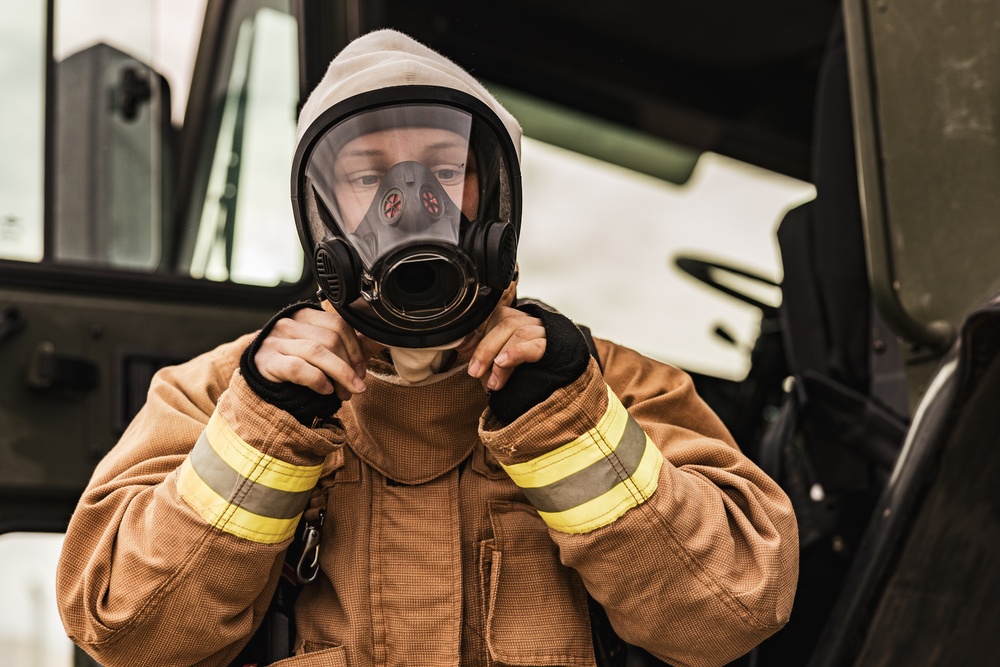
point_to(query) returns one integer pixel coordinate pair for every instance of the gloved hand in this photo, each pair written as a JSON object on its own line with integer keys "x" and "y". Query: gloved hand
{"x": 526, "y": 354}
{"x": 307, "y": 361}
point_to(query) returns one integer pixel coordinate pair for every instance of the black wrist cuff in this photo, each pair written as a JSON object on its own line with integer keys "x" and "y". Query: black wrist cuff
{"x": 301, "y": 402}
{"x": 565, "y": 359}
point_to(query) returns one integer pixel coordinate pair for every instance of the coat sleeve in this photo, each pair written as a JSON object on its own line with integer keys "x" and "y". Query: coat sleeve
{"x": 176, "y": 545}
{"x": 690, "y": 548}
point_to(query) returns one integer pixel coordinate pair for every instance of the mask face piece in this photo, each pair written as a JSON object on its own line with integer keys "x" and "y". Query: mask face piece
{"x": 410, "y": 210}
{"x": 409, "y": 239}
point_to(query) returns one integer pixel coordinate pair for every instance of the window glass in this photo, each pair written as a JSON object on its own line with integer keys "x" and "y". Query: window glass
{"x": 121, "y": 76}
{"x": 31, "y": 633}
{"x": 599, "y": 241}
{"x": 246, "y": 231}
{"x": 116, "y": 80}
{"x": 22, "y": 128}
{"x": 161, "y": 33}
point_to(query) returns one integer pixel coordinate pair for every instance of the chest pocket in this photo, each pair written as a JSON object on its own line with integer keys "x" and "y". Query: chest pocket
{"x": 536, "y": 608}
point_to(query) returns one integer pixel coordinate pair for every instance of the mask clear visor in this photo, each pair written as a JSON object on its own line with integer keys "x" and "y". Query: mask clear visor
{"x": 393, "y": 176}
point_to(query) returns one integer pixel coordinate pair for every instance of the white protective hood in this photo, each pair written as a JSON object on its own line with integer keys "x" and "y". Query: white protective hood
{"x": 386, "y": 58}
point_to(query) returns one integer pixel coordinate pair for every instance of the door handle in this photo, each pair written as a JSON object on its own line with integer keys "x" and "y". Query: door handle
{"x": 51, "y": 370}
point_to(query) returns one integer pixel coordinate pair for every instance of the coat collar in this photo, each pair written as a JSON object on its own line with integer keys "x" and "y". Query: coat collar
{"x": 413, "y": 434}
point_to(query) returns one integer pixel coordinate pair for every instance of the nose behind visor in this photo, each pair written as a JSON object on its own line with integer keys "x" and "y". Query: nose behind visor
{"x": 410, "y": 213}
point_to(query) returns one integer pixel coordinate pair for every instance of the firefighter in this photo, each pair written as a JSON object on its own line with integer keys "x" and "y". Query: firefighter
{"x": 471, "y": 475}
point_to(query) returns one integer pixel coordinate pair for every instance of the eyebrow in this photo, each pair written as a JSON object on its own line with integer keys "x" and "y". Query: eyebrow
{"x": 364, "y": 152}
{"x": 446, "y": 144}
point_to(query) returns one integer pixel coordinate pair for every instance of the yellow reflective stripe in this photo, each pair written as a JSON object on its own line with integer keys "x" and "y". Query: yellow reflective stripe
{"x": 227, "y": 516}
{"x": 589, "y": 448}
{"x": 252, "y": 497}
{"x": 593, "y": 480}
{"x": 256, "y": 466}
{"x": 611, "y": 505}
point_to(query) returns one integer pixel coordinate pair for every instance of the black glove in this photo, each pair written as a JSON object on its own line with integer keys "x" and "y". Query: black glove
{"x": 301, "y": 402}
{"x": 565, "y": 359}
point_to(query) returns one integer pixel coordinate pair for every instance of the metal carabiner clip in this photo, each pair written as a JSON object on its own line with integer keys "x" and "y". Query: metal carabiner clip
{"x": 308, "y": 567}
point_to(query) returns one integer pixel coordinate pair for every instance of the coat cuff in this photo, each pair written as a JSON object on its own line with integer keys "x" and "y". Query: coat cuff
{"x": 579, "y": 458}
{"x": 254, "y": 467}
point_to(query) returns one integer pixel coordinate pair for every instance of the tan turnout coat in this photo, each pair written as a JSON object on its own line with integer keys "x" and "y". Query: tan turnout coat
{"x": 431, "y": 554}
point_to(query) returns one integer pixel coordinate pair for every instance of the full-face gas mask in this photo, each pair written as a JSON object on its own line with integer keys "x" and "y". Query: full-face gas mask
{"x": 408, "y": 201}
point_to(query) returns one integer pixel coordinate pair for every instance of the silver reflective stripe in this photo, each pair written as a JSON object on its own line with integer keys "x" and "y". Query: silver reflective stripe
{"x": 243, "y": 492}
{"x": 596, "y": 479}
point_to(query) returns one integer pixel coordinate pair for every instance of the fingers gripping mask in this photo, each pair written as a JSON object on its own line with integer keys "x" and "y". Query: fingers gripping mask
{"x": 408, "y": 202}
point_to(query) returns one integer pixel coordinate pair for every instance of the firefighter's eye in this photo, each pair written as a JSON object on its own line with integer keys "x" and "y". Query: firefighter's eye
{"x": 449, "y": 174}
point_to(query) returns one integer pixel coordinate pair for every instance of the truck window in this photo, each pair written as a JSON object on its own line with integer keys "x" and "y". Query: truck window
{"x": 244, "y": 231}
{"x": 599, "y": 242}
{"x": 111, "y": 144}
{"x": 22, "y": 129}
{"x": 102, "y": 177}
{"x": 607, "y": 213}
